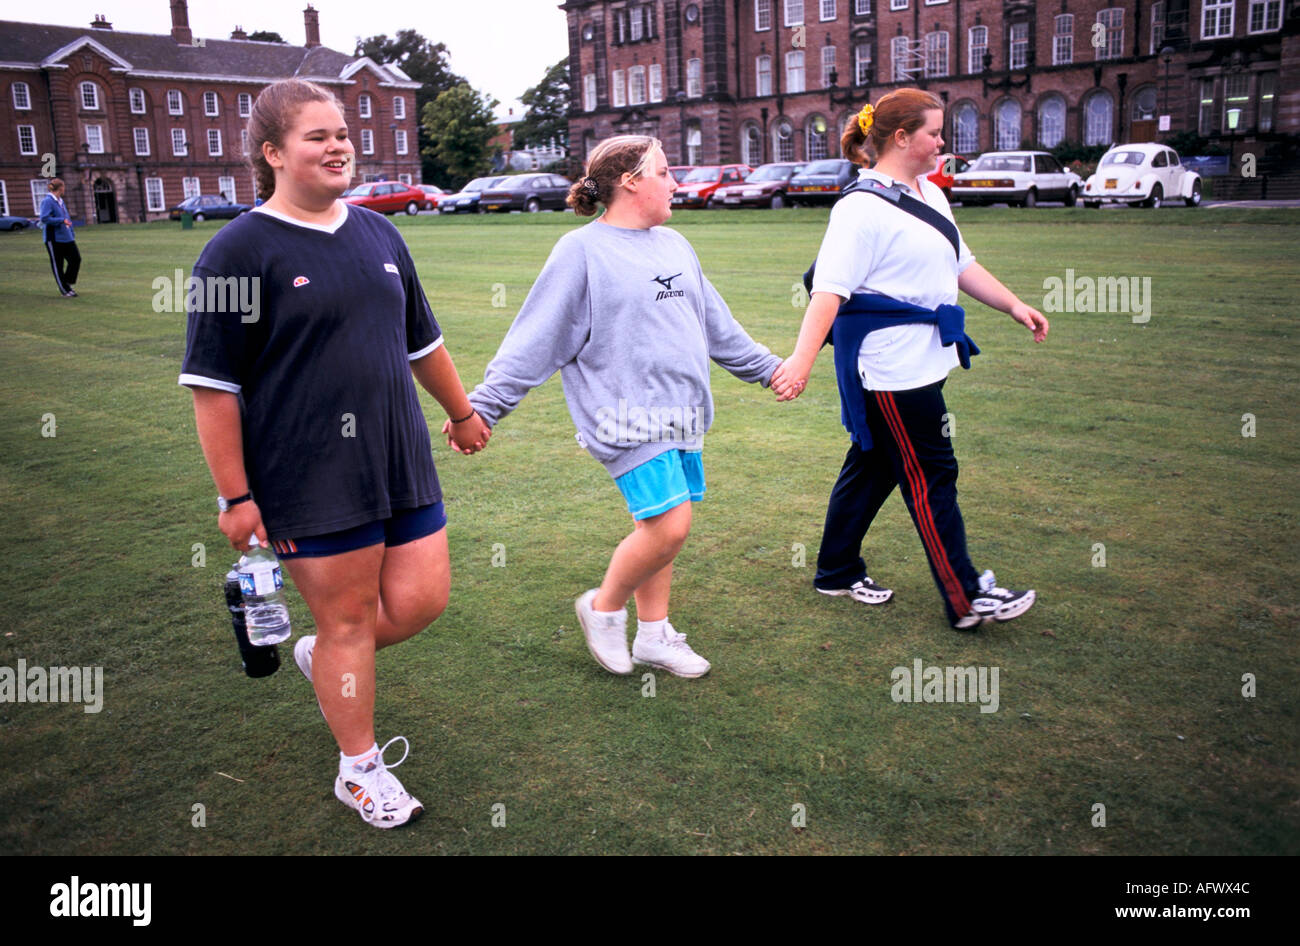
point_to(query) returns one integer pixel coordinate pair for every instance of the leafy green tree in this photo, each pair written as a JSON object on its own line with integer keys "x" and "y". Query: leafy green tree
{"x": 266, "y": 36}
{"x": 547, "y": 117}
{"x": 459, "y": 124}
{"x": 426, "y": 63}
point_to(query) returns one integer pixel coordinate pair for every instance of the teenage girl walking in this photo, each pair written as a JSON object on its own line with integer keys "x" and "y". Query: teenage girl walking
{"x": 623, "y": 311}
{"x": 308, "y": 418}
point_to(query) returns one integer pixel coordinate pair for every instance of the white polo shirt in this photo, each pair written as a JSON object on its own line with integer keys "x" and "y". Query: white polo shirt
{"x": 873, "y": 246}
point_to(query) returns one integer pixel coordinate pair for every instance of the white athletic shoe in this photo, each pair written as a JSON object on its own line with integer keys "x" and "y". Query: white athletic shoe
{"x": 606, "y": 635}
{"x": 302, "y": 652}
{"x": 866, "y": 591}
{"x": 377, "y": 794}
{"x": 670, "y": 652}
{"x": 995, "y": 604}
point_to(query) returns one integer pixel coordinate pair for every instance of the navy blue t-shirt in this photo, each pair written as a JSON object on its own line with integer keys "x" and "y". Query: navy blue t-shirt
{"x": 333, "y": 432}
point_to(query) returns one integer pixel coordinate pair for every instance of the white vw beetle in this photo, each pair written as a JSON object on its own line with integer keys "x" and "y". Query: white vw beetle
{"x": 1144, "y": 174}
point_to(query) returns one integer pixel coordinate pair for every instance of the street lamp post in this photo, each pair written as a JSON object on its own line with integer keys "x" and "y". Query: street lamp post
{"x": 1166, "y": 54}
{"x": 681, "y": 124}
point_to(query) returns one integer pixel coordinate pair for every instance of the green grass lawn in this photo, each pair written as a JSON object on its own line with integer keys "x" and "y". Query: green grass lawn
{"x": 1122, "y": 687}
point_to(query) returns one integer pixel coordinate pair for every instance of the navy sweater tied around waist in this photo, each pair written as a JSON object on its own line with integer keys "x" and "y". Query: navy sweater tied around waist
{"x": 864, "y": 312}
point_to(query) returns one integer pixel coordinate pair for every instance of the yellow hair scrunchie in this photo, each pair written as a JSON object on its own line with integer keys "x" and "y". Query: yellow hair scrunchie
{"x": 866, "y": 118}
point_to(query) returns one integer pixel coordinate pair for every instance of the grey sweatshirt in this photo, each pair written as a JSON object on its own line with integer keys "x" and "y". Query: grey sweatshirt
{"x": 630, "y": 322}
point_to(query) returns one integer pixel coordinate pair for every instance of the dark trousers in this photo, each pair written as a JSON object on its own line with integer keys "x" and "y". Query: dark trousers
{"x": 908, "y": 450}
{"x": 65, "y": 260}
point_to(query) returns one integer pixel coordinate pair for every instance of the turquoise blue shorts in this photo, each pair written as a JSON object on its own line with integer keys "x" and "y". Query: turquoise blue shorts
{"x": 658, "y": 485}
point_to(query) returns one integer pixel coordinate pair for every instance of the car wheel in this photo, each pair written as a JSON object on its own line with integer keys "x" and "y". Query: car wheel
{"x": 478, "y": 209}
{"x": 1154, "y": 200}
{"x": 1031, "y": 199}
{"x": 412, "y": 208}
{"x": 198, "y": 218}
{"x": 1195, "y": 199}
{"x": 1071, "y": 197}
{"x": 533, "y": 205}
{"x": 777, "y": 201}
{"x": 1092, "y": 204}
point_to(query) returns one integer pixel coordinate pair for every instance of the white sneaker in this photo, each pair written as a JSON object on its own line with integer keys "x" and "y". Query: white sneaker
{"x": 670, "y": 653}
{"x": 377, "y": 794}
{"x": 866, "y": 591}
{"x": 995, "y": 604}
{"x": 606, "y": 635}
{"x": 302, "y": 652}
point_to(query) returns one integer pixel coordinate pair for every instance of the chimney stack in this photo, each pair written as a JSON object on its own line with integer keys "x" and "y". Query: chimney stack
{"x": 101, "y": 23}
{"x": 181, "y": 24}
{"x": 239, "y": 33}
{"x": 311, "y": 19}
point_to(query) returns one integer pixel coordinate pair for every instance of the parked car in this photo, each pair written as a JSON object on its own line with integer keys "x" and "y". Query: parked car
{"x": 765, "y": 187}
{"x": 1017, "y": 178}
{"x": 388, "y": 197}
{"x": 697, "y": 187}
{"x": 466, "y": 199}
{"x": 203, "y": 206}
{"x": 820, "y": 182}
{"x": 433, "y": 192}
{"x": 680, "y": 171}
{"x": 527, "y": 192}
{"x": 16, "y": 223}
{"x": 946, "y": 168}
{"x": 1142, "y": 174}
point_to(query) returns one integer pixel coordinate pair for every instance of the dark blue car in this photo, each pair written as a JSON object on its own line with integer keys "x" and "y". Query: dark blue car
{"x": 821, "y": 181}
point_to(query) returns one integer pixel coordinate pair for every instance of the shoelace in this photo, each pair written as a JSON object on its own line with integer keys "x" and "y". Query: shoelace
{"x": 674, "y": 639}
{"x": 383, "y": 786}
{"x": 989, "y": 588}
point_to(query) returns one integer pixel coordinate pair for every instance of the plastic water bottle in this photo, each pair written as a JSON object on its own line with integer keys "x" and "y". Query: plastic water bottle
{"x": 265, "y": 613}
{"x": 258, "y": 661}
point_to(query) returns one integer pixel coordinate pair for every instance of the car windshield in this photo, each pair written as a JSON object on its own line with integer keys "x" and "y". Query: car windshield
{"x": 771, "y": 172}
{"x": 702, "y": 175}
{"x": 679, "y": 173}
{"x": 1001, "y": 162}
{"x": 1124, "y": 157}
{"x": 823, "y": 167}
{"x": 480, "y": 184}
{"x": 360, "y": 191}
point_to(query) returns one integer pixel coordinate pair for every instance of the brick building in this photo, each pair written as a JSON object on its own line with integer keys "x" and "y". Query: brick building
{"x": 135, "y": 122}
{"x": 767, "y": 80}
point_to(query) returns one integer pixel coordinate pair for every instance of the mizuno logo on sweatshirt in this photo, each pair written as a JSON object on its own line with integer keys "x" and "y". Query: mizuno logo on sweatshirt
{"x": 668, "y": 292}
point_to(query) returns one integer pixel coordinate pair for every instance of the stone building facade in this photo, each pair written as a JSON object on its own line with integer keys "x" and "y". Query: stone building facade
{"x": 765, "y": 80}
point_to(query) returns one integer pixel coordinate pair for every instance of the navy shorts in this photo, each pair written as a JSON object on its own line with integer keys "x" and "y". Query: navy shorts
{"x": 405, "y": 525}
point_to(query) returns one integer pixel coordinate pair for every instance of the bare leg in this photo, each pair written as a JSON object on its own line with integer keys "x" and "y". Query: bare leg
{"x": 640, "y": 558}
{"x": 414, "y": 585}
{"x": 652, "y": 596}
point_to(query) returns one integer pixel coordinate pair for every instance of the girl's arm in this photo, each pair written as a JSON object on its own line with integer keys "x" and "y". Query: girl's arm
{"x": 221, "y": 435}
{"x": 978, "y": 283}
{"x": 792, "y": 377}
{"x": 438, "y": 376}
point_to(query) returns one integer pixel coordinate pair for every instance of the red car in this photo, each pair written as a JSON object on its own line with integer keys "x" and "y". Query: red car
{"x": 388, "y": 197}
{"x": 945, "y": 168}
{"x": 696, "y": 188}
{"x": 679, "y": 171}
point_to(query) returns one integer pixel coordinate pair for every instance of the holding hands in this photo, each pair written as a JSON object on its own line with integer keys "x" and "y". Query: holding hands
{"x": 790, "y": 378}
{"x": 469, "y": 436}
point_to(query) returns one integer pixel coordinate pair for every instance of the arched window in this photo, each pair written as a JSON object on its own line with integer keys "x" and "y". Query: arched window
{"x": 694, "y": 142}
{"x": 1007, "y": 120}
{"x": 1144, "y": 104}
{"x": 751, "y": 146}
{"x": 815, "y": 134}
{"x": 783, "y": 141}
{"x": 965, "y": 129}
{"x": 1098, "y": 119}
{"x": 1051, "y": 121}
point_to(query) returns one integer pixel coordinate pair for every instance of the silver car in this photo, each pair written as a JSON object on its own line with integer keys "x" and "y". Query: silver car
{"x": 1018, "y": 178}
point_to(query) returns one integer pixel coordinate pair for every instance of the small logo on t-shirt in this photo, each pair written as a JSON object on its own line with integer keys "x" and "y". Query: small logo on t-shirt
{"x": 300, "y": 281}
{"x": 667, "y": 292}
{"x": 391, "y": 268}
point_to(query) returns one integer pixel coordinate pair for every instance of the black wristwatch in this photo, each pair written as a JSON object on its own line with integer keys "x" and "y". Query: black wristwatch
{"x": 224, "y": 504}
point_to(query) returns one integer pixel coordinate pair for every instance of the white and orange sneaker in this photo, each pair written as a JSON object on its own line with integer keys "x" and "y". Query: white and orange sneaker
{"x": 376, "y": 793}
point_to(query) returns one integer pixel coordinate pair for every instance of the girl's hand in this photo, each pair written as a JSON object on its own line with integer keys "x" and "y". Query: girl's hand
{"x": 239, "y": 522}
{"x": 469, "y": 436}
{"x": 1031, "y": 319}
{"x": 790, "y": 378}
